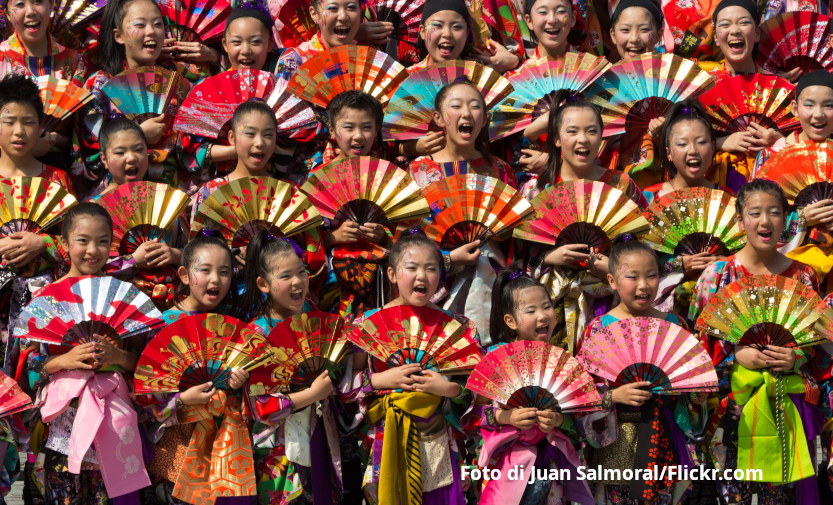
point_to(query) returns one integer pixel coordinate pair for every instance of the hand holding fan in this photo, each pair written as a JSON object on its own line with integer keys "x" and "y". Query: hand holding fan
{"x": 405, "y": 16}
{"x": 302, "y": 347}
{"x": 582, "y": 212}
{"x": 694, "y": 220}
{"x": 31, "y": 204}
{"x": 143, "y": 211}
{"x": 12, "y": 398}
{"x": 652, "y": 350}
{"x": 143, "y": 92}
{"x": 195, "y": 20}
{"x": 766, "y": 310}
{"x": 408, "y": 334}
{"x": 242, "y": 207}
{"x": 365, "y": 190}
{"x": 60, "y": 99}
{"x": 534, "y": 374}
{"x": 198, "y": 349}
{"x": 736, "y": 102}
{"x": 77, "y": 311}
{"x": 804, "y": 171}
{"x": 796, "y": 40}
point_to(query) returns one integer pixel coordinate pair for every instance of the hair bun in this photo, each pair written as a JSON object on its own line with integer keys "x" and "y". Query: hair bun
{"x": 210, "y": 232}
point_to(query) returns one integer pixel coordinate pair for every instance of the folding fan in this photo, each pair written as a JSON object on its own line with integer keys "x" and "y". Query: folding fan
{"x": 197, "y": 349}
{"x": 242, "y": 207}
{"x": 649, "y": 349}
{"x": 582, "y": 212}
{"x": 302, "y": 347}
{"x": 68, "y": 15}
{"x": 208, "y": 110}
{"x": 295, "y": 24}
{"x": 12, "y": 398}
{"x": 76, "y": 310}
{"x": 633, "y": 92}
{"x": 694, "y": 220}
{"x": 60, "y": 99}
{"x": 796, "y": 40}
{"x": 735, "y": 102}
{"x": 293, "y": 114}
{"x": 343, "y": 68}
{"x": 803, "y": 170}
{"x": 365, "y": 190}
{"x": 527, "y": 374}
{"x": 143, "y": 211}
{"x": 195, "y": 20}
{"x": 407, "y": 334}
{"x": 410, "y": 111}
{"x": 469, "y": 207}
{"x": 405, "y": 16}
{"x": 766, "y": 310}
{"x": 142, "y": 92}
{"x": 31, "y": 204}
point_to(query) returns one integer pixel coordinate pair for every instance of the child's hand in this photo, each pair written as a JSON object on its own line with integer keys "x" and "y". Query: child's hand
{"x": 153, "y": 128}
{"x": 158, "y": 254}
{"x": 764, "y": 137}
{"x": 466, "y": 254}
{"x": 750, "y": 358}
{"x": 399, "y": 377}
{"x": 532, "y": 161}
{"x": 107, "y": 354}
{"x": 523, "y": 419}
{"x": 237, "y": 379}
{"x": 347, "y": 233}
{"x": 374, "y": 32}
{"x": 567, "y": 255}
{"x": 435, "y": 384}
{"x": 374, "y": 232}
{"x": 548, "y": 420}
{"x": 739, "y": 142}
{"x": 655, "y": 125}
{"x": 21, "y": 248}
{"x": 694, "y": 264}
{"x": 820, "y": 212}
{"x": 780, "y": 359}
{"x": 193, "y": 51}
{"x": 74, "y": 359}
{"x": 321, "y": 387}
{"x": 198, "y": 395}
{"x": 699, "y": 398}
{"x": 241, "y": 257}
{"x": 598, "y": 265}
{"x": 496, "y": 56}
{"x": 631, "y": 394}
{"x": 791, "y": 75}
{"x": 430, "y": 143}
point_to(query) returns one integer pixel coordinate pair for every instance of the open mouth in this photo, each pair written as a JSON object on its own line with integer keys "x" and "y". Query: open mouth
{"x": 634, "y": 51}
{"x": 818, "y": 126}
{"x": 357, "y": 148}
{"x": 466, "y": 129}
{"x": 737, "y": 45}
{"x": 245, "y": 62}
{"x": 258, "y": 157}
{"x": 150, "y": 45}
{"x": 765, "y": 235}
{"x": 553, "y": 32}
{"x": 421, "y": 290}
{"x": 694, "y": 165}
{"x": 91, "y": 261}
{"x": 213, "y": 292}
{"x": 131, "y": 172}
{"x": 643, "y": 298}
{"x": 32, "y": 26}
{"x": 296, "y": 296}
{"x": 446, "y": 47}
{"x": 582, "y": 152}
{"x": 543, "y": 331}
{"x": 342, "y": 31}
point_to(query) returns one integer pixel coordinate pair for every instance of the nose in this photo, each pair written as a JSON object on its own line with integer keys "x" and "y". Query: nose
{"x": 343, "y": 15}
{"x": 633, "y": 37}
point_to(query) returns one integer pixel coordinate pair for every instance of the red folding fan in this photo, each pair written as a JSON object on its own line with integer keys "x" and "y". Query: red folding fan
{"x": 195, "y": 20}
{"x": 295, "y": 24}
{"x": 12, "y": 398}
{"x": 31, "y": 204}
{"x": 405, "y": 15}
{"x": 735, "y": 102}
{"x": 60, "y": 99}
{"x": 796, "y": 40}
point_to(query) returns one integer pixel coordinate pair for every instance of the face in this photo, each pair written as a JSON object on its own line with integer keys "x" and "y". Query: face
{"x": 763, "y": 220}
{"x": 19, "y": 128}
{"x": 534, "y": 315}
{"x": 30, "y": 19}
{"x": 814, "y": 109}
{"x": 551, "y": 20}
{"x": 463, "y": 115}
{"x": 355, "y": 131}
{"x": 254, "y": 140}
{"x": 287, "y": 285}
{"x": 690, "y": 150}
{"x": 579, "y": 137}
{"x": 736, "y": 34}
{"x": 89, "y": 245}
{"x": 126, "y": 157}
{"x": 417, "y": 275}
{"x": 636, "y": 281}
{"x": 142, "y": 33}
{"x": 209, "y": 277}
{"x": 338, "y": 21}
{"x": 445, "y": 34}
{"x": 635, "y": 33}
{"x": 247, "y": 43}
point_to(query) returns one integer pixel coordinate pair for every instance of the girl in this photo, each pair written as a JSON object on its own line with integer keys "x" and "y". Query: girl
{"x": 552, "y": 22}
{"x": 415, "y": 264}
{"x": 634, "y": 277}
{"x": 762, "y": 209}
{"x": 132, "y": 36}
{"x": 522, "y": 310}
{"x": 278, "y": 284}
{"x": 87, "y": 230}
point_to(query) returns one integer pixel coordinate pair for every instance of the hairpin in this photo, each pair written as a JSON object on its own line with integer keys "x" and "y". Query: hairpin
{"x": 416, "y": 231}
{"x": 517, "y": 274}
{"x": 627, "y": 237}
{"x": 209, "y": 232}
{"x": 686, "y": 110}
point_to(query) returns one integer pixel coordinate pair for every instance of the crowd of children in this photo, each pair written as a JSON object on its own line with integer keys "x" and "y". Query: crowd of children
{"x": 366, "y": 430}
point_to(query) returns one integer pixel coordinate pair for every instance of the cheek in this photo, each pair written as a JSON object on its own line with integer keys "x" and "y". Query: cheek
{"x": 404, "y": 277}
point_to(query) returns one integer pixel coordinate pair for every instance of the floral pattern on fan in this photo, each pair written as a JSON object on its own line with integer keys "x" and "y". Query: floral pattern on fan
{"x": 796, "y": 40}
{"x": 12, "y": 397}
{"x": 144, "y": 92}
{"x": 735, "y": 102}
{"x": 804, "y": 171}
{"x": 31, "y": 204}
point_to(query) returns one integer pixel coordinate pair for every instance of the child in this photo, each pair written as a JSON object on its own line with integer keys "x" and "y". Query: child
{"x": 124, "y": 153}
{"x": 762, "y": 208}
{"x": 634, "y": 277}
{"x": 87, "y": 230}
{"x": 415, "y": 264}
{"x": 522, "y": 310}
{"x": 355, "y": 125}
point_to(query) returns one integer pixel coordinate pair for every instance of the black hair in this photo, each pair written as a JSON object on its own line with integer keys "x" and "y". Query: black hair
{"x": 20, "y": 89}
{"x": 254, "y": 10}
{"x": 624, "y": 244}
{"x": 357, "y": 100}
{"x": 249, "y": 106}
{"x": 434, "y": 6}
{"x": 577, "y": 33}
{"x": 562, "y": 102}
{"x": 760, "y": 185}
{"x": 114, "y": 126}
{"x": 259, "y": 254}
{"x": 506, "y": 285}
{"x": 205, "y": 238}
{"x": 111, "y": 55}
{"x": 650, "y": 6}
{"x": 84, "y": 209}
{"x": 412, "y": 238}
{"x": 481, "y": 143}
{"x": 690, "y": 110}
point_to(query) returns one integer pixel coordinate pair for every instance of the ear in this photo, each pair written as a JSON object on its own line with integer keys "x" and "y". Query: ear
{"x": 612, "y": 281}
{"x": 117, "y": 36}
{"x": 391, "y": 275}
{"x": 438, "y": 118}
{"x": 183, "y": 276}
{"x": 528, "y": 19}
{"x": 316, "y": 17}
{"x": 422, "y": 31}
{"x": 558, "y": 141}
{"x": 262, "y": 285}
{"x": 231, "y": 139}
{"x": 757, "y": 34}
{"x": 740, "y": 222}
{"x": 794, "y": 107}
{"x": 225, "y": 45}
{"x": 509, "y": 319}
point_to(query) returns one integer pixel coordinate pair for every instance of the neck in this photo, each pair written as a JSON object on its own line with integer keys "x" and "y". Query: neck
{"x": 243, "y": 171}
{"x": 803, "y": 137}
{"x": 626, "y": 312}
{"x": 555, "y": 53}
{"x": 453, "y": 152}
{"x": 281, "y": 313}
{"x": 12, "y": 166}
{"x": 754, "y": 259}
{"x": 571, "y": 173}
{"x": 38, "y": 49}
{"x": 190, "y": 305}
{"x": 74, "y": 272}
{"x": 745, "y": 67}
{"x": 680, "y": 182}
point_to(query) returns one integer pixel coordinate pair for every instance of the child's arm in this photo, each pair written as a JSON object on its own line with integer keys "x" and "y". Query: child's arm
{"x": 779, "y": 359}
{"x": 320, "y": 389}
{"x": 435, "y": 384}
{"x": 74, "y": 359}
{"x": 400, "y": 377}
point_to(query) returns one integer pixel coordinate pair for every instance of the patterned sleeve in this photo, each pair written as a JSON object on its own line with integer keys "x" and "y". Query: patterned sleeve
{"x": 707, "y": 285}
{"x": 162, "y": 407}
{"x": 272, "y": 409}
